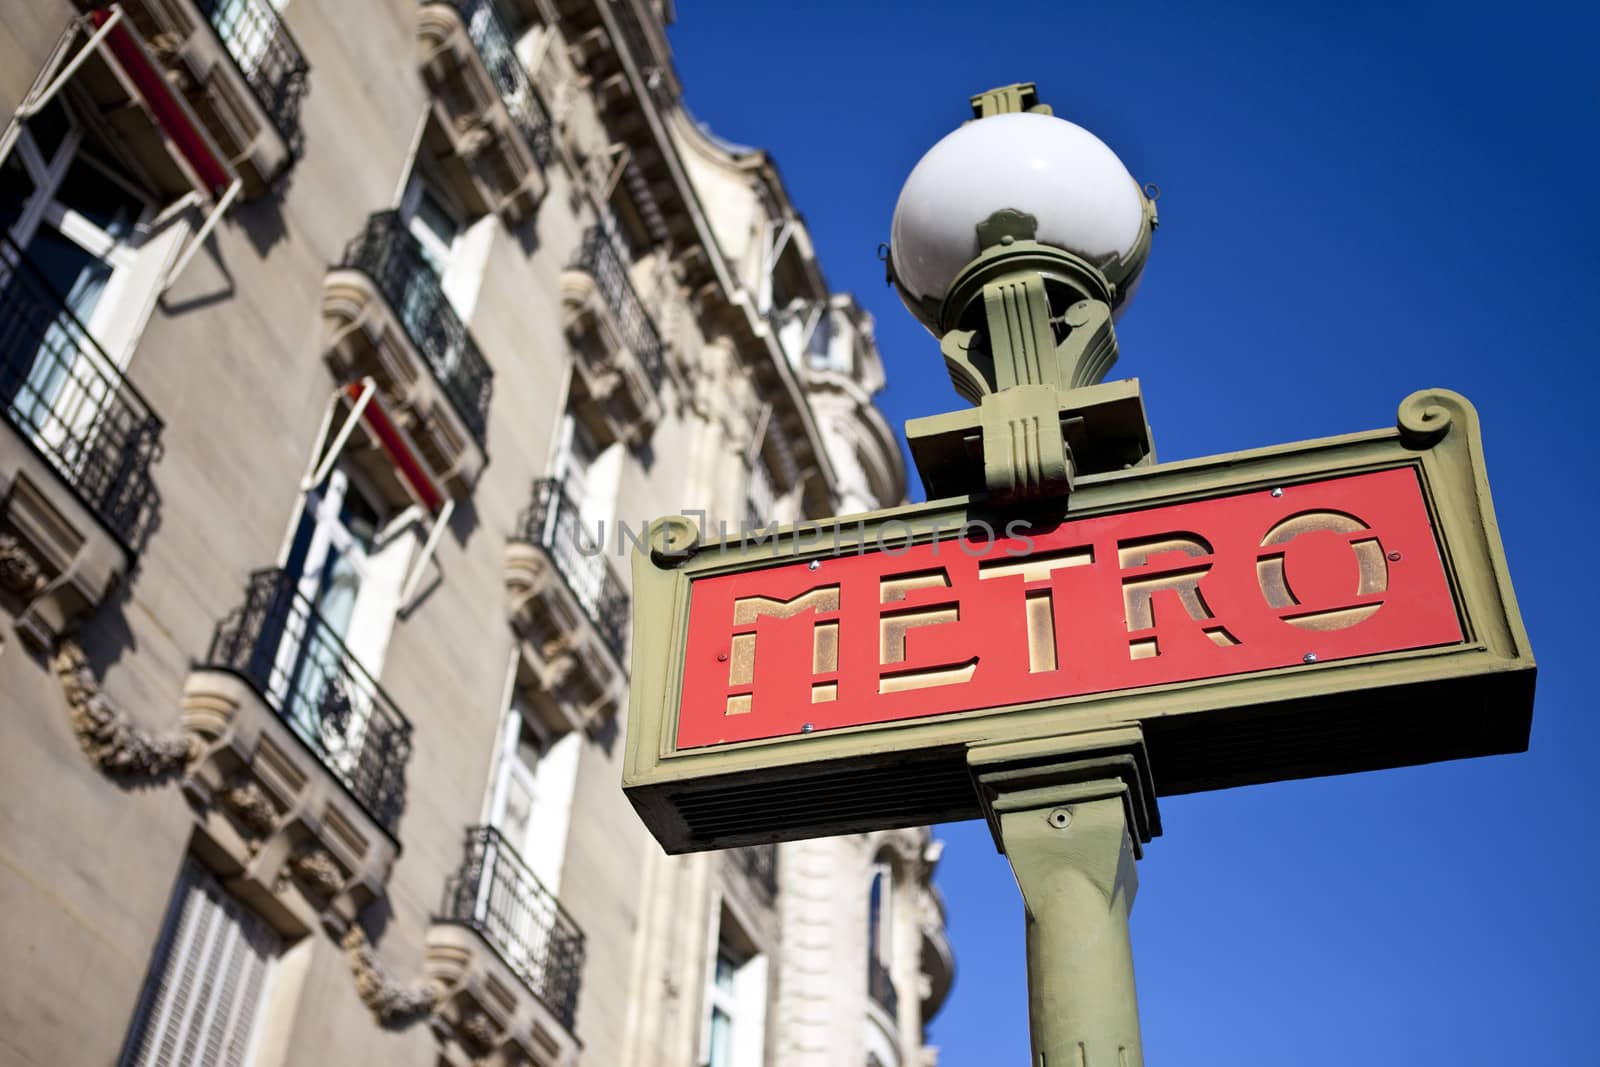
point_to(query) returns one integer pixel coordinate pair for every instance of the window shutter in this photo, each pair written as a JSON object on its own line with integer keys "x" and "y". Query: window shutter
{"x": 206, "y": 983}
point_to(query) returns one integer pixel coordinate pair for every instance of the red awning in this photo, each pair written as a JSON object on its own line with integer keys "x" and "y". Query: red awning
{"x": 169, "y": 112}
{"x": 395, "y": 445}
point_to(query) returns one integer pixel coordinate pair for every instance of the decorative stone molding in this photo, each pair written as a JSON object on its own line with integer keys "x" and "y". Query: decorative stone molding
{"x": 479, "y": 1032}
{"x": 21, "y": 572}
{"x": 274, "y": 822}
{"x": 485, "y": 1014}
{"x": 57, "y": 562}
{"x": 319, "y": 871}
{"x": 255, "y": 809}
{"x": 113, "y": 743}
{"x": 392, "y": 1002}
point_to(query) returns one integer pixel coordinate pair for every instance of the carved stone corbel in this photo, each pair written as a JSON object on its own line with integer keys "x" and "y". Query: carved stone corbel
{"x": 246, "y": 799}
{"x": 21, "y": 572}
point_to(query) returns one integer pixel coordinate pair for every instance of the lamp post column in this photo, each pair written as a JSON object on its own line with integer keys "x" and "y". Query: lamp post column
{"x": 1074, "y": 864}
{"x": 1071, "y": 815}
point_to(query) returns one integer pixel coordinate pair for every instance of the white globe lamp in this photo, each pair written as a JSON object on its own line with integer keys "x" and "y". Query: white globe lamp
{"x": 1082, "y": 200}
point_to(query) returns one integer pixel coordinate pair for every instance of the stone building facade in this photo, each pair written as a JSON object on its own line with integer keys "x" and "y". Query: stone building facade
{"x": 333, "y": 333}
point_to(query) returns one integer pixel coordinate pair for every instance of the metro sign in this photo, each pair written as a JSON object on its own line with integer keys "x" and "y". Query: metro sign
{"x": 1328, "y": 570}
{"x": 1328, "y": 606}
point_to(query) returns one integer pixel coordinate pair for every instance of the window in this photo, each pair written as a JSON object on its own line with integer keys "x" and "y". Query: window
{"x": 452, "y": 243}
{"x": 736, "y": 1000}
{"x": 724, "y": 1008}
{"x": 246, "y": 29}
{"x": 83, "y": 221}
{"x": 348, "y": 560}
{"x": 880, "y": 940}
{"x": 832, "y": 345}
{"x": 622, "y": 220}
{"x": 761, "y": 499}
{"x": 531, "y": 803}
{"x": 880, "y": 930}
{"x": 207, "y": 984}
{"x": 589, "y": 473}
{"x": 432, "y": 223}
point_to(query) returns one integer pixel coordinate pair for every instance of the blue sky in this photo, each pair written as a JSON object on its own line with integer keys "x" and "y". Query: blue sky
{"x": 1357, "y": 202}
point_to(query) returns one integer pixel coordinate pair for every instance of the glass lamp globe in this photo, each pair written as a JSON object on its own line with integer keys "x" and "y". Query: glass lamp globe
{"x": 1084, "y": 199}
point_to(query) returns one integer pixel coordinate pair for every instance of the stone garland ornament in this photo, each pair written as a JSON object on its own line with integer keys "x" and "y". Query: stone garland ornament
{"x": 393, "y": 1003}
{"x": 121, "y": 749}
{"x": 112, "y": 741}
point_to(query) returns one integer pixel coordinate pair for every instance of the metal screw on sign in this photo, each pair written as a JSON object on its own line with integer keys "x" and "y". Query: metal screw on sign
{"x": 807, "y": 728}
{"x": 813, "y": 565}
{"x": 1277, "y": 492}
{"x": 1309, "y": 657}
{"x": 1394, "y": 557}
{"x": 1061, "y": 818}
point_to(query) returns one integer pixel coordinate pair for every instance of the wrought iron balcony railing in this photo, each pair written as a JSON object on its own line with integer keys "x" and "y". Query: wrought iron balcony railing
{"x": 487, "y": 30}
{"x": 278, "y": 643}
{"x": 67, "y": 399}
{"x": 268, "y": 57}
{"x": 760, "y": 863}
{"x": 495, "y": 893}
{"x": 388, "y": 254}
{"x": 553, "y": 522}
{"x": 880, "y": 987}
{"x": 598, "y": 258}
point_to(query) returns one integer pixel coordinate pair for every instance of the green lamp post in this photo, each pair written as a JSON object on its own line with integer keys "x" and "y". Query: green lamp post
{"x": 1018, "y": 239}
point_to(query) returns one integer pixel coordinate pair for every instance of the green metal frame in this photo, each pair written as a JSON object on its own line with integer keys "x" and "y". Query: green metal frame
{"x": 1401, "y": 708}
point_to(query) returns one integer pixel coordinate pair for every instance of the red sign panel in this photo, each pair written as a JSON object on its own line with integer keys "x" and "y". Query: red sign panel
{"x": 1322, "y": 571}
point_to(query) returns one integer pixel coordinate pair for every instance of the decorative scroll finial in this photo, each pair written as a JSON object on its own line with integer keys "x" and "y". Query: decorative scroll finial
{"x": 672, "y": 539}
{"x": 1425, "y": 416}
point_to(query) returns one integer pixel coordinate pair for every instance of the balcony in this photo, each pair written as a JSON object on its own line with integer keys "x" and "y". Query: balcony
{"x": 567, "y": 606}
{"x": 508, "y": 958}
{"x": 493, "y": 115}
{"x": 880, "y": 987}
{"x": 387, "y": 316}
{"x": 301, "y": 777}
{"x": 620, "y": 356}
{"x": 639, "y": 32}
{"x": 76, "y": 494}
{"x": 240, "y": 70}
